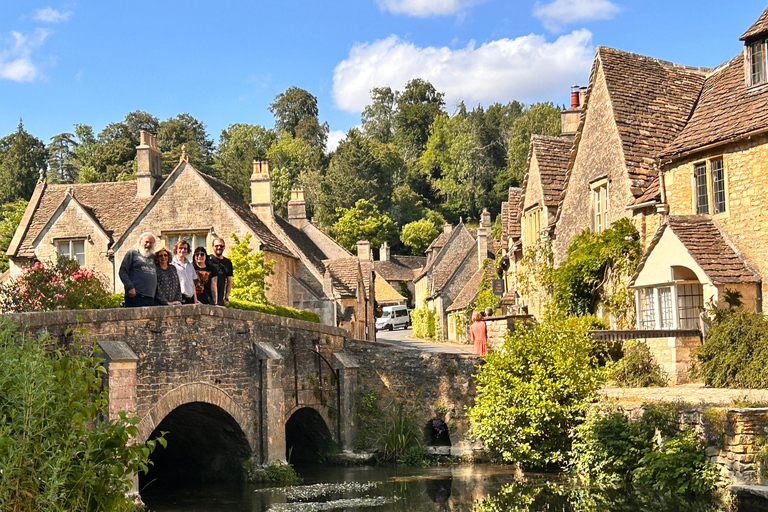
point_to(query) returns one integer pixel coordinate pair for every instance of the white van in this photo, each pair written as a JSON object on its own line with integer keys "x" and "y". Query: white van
{"x": 393, "y": 317}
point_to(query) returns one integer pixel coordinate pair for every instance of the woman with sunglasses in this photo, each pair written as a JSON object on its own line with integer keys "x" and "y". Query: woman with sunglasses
{"x": 168, "y": 289}
{"x": 205, "y": 284}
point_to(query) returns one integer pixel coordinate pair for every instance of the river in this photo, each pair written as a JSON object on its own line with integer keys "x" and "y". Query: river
{"x": 482, "y": 488}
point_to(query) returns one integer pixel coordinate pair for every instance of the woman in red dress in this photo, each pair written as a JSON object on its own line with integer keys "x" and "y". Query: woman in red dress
{"x": 479, "y": 334}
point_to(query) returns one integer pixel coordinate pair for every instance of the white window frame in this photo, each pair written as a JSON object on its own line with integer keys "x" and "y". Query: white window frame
{"x": 656, "y": 303}
{"x": 70, "y": 244}
{"x": 599, "y": 204}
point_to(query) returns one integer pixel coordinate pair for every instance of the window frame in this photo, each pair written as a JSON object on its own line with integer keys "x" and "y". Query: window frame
{"x": 673, "y": 316}
{"x": 192, "y": 235}
{"x": 70, "y": 242}
{"x": 598, "y": 192}
{"x": 532, "y": 224}
{"x": 710, "y": 186}
{"x": 755, "y": 77}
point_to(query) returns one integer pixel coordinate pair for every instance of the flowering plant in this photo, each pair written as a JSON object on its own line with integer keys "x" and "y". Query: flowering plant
{"x": 48, "y": 286}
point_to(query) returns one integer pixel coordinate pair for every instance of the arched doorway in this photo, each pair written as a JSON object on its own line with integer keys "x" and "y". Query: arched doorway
{"x": 307, "y": 438}
{"x": 205, "y": 444}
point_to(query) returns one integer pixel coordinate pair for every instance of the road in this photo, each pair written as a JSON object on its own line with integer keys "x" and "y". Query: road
{"x": 402, "y": 338}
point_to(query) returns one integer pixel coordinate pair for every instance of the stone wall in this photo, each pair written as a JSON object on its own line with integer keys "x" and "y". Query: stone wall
{"x": 423, "y": 381}
{"x": 745, "y": 220}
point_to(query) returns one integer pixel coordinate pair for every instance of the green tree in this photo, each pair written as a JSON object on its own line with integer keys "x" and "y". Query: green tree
{"x": 379, "y": 117}
{"x": 535, "y": 389}
{"x": 418, "y": 235}
{"x": 417, "y": 108}
{"x": 57, "y": 452}
{"x": 539, "y": 118}
{"x": 300, "y": 165}
{"x": 363, "y": 222}
{"x": 233, "y": 159}
{"x": 187, "y": 132}
{"x": 296, "y": 112}
{"x": 10, "y": 218}
{"x": 22, "y": 158}
{"x": 139, "y": 120}
{"x": 249, "y": 282}
{"x": 62, "y": 161}
{"x": 356, "y": 171}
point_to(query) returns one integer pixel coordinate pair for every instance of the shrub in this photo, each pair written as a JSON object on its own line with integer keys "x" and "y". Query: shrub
{"x": 638, "y": 368}
{"x": 423, "y": 321}
{"x": 273, "y": 309}
{"x": 48, "y": 286}
{"x": 57, "y": 453}
{"x": 735, "y": 351}
{"x": 250, "y": 269}
{"x": 282, "y": 473}
{"x": 532, "y": 391}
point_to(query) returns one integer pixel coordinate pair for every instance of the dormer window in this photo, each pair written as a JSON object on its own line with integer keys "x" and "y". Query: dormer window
{"x": 756, "y": 63}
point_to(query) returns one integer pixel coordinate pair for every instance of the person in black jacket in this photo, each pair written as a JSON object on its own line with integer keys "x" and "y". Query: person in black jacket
{"x": 205, "y": 284}
{"x": 138, "y": 273}
{"x": 168, "y": 287}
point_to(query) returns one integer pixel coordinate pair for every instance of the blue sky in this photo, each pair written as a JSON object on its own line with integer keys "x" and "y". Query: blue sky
{"x": 92, "y": 62}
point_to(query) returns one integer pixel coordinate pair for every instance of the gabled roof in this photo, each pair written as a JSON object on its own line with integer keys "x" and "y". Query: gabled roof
{"x": 399, "y": 268}
{"x": 510, "y": 212}
{"x": 707, "y": 246}
{"x": 112, "y": 205}
{"x": 553, "y": 155}
{"x": 344, "y": 275}
{"x": 652, "y": 99}
{"x": 447, "y": 268}
{"x": 437, "y": 246}
{"x": 726, "y": 110}
{"x": 470, "y": 290}
{"x": 270, "y": 242}
{"x": 314, "y": 254}
{"x": 758, "y": 28}
{"x": 385, "y": 292}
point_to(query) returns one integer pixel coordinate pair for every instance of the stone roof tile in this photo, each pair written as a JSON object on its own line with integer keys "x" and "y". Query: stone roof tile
{"x": 469, "y": 292}
{"x": 552, "y": 155}
{"x": 758, "y": 28}
{"x": 344, "y": 274}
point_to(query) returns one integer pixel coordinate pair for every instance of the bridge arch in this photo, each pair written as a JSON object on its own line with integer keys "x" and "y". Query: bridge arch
{"x": 307, "y": 436}
{"x": 207, "y": 436}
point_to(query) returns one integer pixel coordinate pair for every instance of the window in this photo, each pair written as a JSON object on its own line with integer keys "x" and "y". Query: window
{"x": 194, "y": 238}
{"x": 656, "y": 306}
{"x": 532, "y": 225}
{"x": 72, "y": 249}
{"x": 599, "y": 205}
{"x": 756, "y": 63}
{"x": 709, "y": 187}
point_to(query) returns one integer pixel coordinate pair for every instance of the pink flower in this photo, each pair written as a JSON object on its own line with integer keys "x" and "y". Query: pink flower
{"x": 58, "y": 296}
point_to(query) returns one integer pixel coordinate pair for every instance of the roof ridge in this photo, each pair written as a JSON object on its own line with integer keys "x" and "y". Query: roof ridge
{"x": 664, "y": 63}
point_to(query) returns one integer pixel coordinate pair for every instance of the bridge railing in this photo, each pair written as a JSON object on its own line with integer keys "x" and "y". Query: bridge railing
{"x": 633, "y": 334}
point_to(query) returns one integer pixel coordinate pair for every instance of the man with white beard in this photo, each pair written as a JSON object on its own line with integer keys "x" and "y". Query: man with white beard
{"x": 138, "y": 273}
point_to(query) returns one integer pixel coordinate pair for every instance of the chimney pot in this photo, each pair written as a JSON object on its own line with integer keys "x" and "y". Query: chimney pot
{"x": 575, "y": 96}
{"x": 261, "y": 191}
{"x": 384, "y": 252}
{"x": 297, "y": 208}
{"x": 364, "y": 250}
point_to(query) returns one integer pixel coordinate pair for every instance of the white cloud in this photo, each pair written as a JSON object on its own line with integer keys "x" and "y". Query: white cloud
{"x": 424, "y": 8}
{"x": 50, "y": 15}
{"x": 563, "y": 12}
{"x": 334, "y": 138}
{"x": 527, "y": 69}
{"x": 16, "y": 61}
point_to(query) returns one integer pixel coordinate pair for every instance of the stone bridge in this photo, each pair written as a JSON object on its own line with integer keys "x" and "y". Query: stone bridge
{"x": 227, "y": 385}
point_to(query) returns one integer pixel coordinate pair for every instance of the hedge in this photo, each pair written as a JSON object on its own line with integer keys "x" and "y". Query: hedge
{"x": 273, "y": 309}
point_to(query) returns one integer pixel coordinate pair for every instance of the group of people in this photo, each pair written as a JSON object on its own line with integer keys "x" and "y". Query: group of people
{"x": 166, "y": 278}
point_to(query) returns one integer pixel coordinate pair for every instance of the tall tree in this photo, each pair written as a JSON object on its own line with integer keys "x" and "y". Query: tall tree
{"x": 139, "y": 120}
{"x": 417, "y": 107}
{"x": 379, "y": 117}
{"x": 62, "y": 161}
{"x": 364, "y": 221}
{"x": 10, "y": 218}
{"x": 238, "y": 146}
{"x": 295, "y": 163}
{"x": 296, "y": 112}
{"x": 355, "y": 172}
{"x": 22, "y": 158}
{"x": 184, "y": 130}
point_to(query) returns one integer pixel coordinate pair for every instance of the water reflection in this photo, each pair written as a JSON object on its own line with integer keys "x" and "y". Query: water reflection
{"x": 479, "y": 488}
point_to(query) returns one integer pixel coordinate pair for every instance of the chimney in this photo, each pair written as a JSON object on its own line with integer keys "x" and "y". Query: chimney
{"x": 297, "y": 208}
{"x": 364, "y": 250}
{"x": 148, "y": 169}
{"x": 569, "y": 119}
{"x": 384, "y": 252}
{"x": 261, "y": 191}
{"x": 485, "y": 218}
{"x": 482, "y": 246}
{"x": 447, "y": 228}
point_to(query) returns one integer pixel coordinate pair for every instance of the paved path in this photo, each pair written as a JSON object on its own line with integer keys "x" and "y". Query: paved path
{"x": 402, "y": 339}
{"x": 694, "y": 394}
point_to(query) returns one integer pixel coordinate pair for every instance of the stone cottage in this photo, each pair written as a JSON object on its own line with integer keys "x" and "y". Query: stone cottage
{"x": 452, "y": 259}
{"x": 711, "y": 195}
{"x": 399, "y": 272}
{"x": 97, "y": 223}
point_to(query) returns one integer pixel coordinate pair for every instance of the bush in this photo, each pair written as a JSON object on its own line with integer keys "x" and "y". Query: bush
{"x": 650, "y": 452}
{"x": 57, "y": 453}
{"x": 273, "y": 309}
{"x": 735, "y": 351}
{"x": 424, "y": 322}
{"x": 638, "y": 368}
{"x": 48, "y": 286}
{"x": 534, "y": 390}
{"x": 249, "y": 282}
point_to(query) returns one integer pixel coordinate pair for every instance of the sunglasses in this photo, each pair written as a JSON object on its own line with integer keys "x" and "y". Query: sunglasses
{"x": 199, "y": 254}
{"x": 218, "y": 246}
